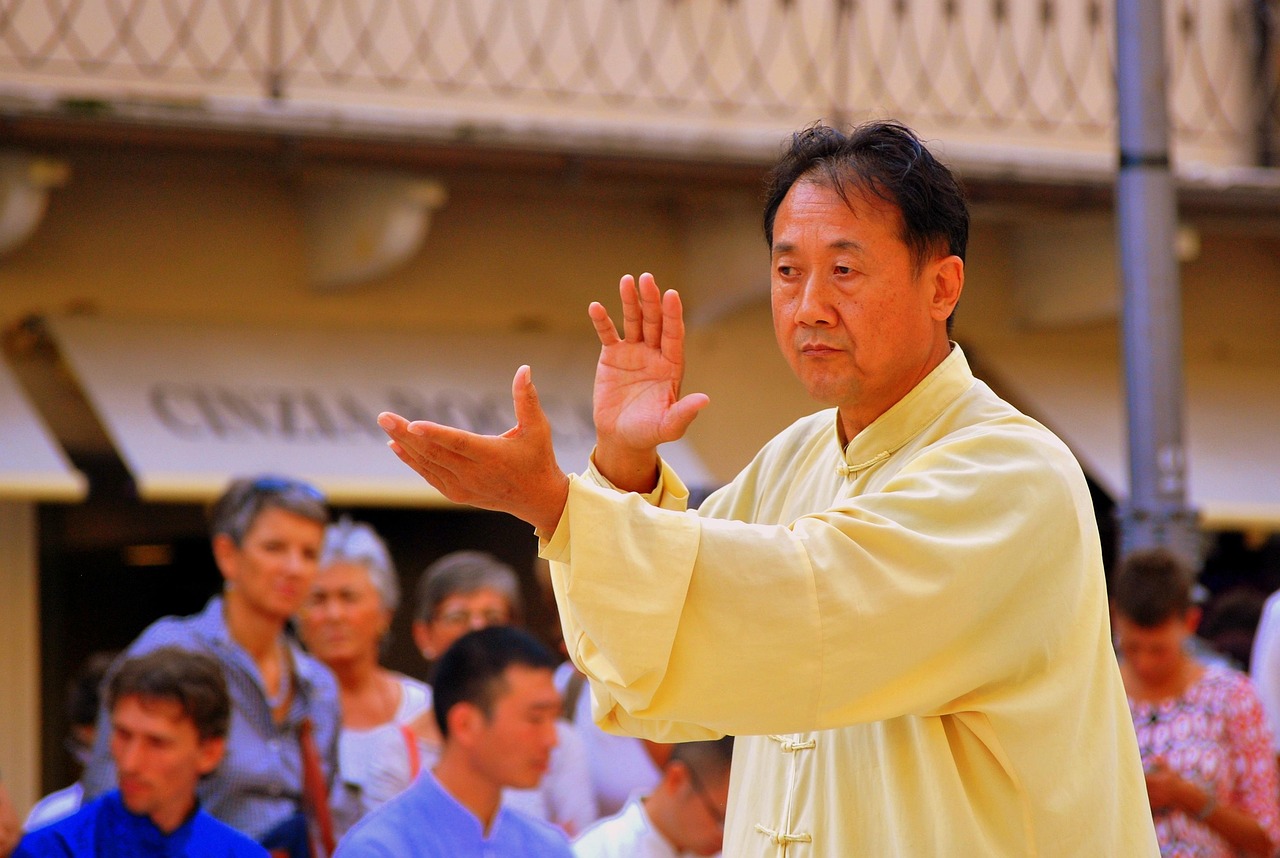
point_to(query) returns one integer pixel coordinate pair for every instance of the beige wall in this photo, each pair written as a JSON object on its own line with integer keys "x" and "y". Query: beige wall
{"x": 220, "y": 238}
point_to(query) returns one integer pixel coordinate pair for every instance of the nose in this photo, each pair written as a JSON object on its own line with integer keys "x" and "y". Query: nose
{"x": 551, "y": 735}
{"x": 127, "y": 756}
{"x": 813, "y": 309}
{"x": 478, "y": 620}
{"x": 300, "y": 562}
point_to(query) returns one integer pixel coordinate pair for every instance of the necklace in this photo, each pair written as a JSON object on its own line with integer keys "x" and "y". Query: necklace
{"x": 277, "y": 700}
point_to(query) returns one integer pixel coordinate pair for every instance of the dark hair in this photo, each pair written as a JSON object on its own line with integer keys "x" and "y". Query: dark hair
{"x": 246, "y": 498}
{"x": 193, "y": 680}
{"x": 711, "y": 758}
{"x": 472, "y": 670}
{"x": 465, "y": 572}
{"x": 1151, "y": 587}
{"x": 887, "y": 160}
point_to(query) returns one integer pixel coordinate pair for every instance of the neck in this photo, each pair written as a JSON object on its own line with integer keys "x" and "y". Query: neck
{"x": 258, "y": 633}
{"x": 472, "y": 790}
{"x": 369, "y": 694}
{"x": 659, "y": 819}
{"x": 856, "y": 416}
{"x": 169, "y": 820}
{"x": 1169, "y": 687}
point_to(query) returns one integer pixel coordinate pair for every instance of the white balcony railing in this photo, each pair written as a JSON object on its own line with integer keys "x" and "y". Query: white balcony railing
{"x": 634, "y": 75}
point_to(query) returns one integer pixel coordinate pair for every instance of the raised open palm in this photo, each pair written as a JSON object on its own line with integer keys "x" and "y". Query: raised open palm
{"x": 637, "y": 402}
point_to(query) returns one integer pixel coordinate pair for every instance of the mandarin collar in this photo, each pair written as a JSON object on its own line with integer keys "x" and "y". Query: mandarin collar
{"x": 908, "y": 417}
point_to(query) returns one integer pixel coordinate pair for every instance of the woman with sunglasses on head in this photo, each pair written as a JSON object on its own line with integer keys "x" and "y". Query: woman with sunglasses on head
{"x": 344, "y": 623}
{"x": 281, "y": 752}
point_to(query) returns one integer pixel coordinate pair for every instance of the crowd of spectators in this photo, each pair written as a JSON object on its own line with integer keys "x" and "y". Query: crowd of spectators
{"x": 319, "y": 741}
{"x": 297, "y": 741}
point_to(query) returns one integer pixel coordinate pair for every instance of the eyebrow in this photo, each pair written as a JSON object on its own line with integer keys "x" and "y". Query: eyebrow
{"x": 843, "y": 244}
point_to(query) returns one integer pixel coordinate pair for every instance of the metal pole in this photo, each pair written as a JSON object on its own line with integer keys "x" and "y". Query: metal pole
{"x": 1156, "y": 512}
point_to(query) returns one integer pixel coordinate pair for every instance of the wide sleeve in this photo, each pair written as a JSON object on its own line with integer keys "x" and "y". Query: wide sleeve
{"x": 961, "y": 572}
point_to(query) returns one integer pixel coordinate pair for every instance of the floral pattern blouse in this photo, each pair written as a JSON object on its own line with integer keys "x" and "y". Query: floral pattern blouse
{"x": 1214, "y": 735}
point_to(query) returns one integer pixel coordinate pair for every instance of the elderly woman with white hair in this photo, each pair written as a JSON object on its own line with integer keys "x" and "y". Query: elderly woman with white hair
{"x": 344, "y": 622}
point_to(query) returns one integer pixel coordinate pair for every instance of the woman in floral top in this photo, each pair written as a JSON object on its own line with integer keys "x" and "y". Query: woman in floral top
{"x": 1211, "y": 770}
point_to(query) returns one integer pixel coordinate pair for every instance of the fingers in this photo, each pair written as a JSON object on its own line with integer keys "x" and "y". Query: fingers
{"x": 632, "y": 311}
{"x": 605, "y": 329}
{"x": 681, "y": 414}
{"x": 529, "y": 413}
{"x": 650, "y": 311}
{"x": 642, "y": 310}
{"x": 672, "y": 327}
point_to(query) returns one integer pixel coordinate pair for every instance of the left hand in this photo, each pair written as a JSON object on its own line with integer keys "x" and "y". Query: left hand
{"x": 515, "y": 472}
{"x": 1166, "y": 790}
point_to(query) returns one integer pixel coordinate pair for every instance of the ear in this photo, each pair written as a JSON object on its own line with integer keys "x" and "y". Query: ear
{"x": 209, "y": 754}
{"x": 466, "y": 724}
{"x": 421, "y": 631}
{"x": 226, "y": 556}
{"x": 674, "y": 777}
{"x": 946, "y": 276}
{"x": 1192, "y": 619}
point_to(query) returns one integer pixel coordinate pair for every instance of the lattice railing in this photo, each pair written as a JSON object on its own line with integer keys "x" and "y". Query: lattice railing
{"x": 1030, "y": 72}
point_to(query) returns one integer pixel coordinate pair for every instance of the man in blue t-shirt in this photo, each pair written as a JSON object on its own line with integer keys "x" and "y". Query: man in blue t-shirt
{"x": 496, "y": 707}
{"x": 169, "y": 717}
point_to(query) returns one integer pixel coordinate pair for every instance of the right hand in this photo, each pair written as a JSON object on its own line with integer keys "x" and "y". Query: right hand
{"x": 637, "y": 402}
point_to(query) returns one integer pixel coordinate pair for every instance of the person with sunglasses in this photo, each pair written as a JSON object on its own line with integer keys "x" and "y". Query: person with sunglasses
{"x": 266, "y": 534}
{"x": 682, "y": 816}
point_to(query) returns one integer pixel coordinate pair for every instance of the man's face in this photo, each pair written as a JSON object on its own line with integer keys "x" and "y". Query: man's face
{"x": 273, "y": 567}
{"x": 159, "y": 758}
{"x": 857, "y": 324}
{"x": 512, "y": 746}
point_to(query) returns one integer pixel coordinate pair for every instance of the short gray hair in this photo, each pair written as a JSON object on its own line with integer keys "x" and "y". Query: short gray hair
{"x": 357, "y": 543}
{"x": 466, "y": 572}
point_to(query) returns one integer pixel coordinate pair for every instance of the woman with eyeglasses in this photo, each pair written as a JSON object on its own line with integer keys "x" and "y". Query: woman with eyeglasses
{"x": 1211, "y": 771}
{"x": 282, "y": 746}
{"x": 344, "y": 623}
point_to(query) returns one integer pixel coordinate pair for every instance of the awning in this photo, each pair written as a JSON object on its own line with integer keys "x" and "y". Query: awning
{"x": 1232, "y": 431}
{"x": 32, "y": 466}
{"x": 189, "y": 407}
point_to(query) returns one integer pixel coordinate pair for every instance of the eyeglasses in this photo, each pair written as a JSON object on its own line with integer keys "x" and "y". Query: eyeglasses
{"x": 463, "y": 617}
{"x": 712, "y": 808}
{"x": 285, "y": 486}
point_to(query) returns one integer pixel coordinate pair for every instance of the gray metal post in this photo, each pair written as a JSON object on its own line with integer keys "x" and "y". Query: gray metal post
{"x": 1156, "y": 512}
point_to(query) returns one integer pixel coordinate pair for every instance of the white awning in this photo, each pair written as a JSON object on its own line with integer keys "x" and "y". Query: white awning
{"x": 1232, "y": 431}
{"x": 189, "y": 407}
{"x": 32, "y": 466}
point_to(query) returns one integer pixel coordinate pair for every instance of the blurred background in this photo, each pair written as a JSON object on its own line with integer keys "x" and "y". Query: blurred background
{"x": 232, "y": 231}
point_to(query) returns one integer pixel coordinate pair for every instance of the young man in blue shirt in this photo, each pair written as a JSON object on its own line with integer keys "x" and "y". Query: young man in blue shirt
{"x": 169, "y": 717}
{"x": 496, "y": 707}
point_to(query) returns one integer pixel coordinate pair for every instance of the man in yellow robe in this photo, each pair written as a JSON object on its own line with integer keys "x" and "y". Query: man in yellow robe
{"x": 898, "y": 606}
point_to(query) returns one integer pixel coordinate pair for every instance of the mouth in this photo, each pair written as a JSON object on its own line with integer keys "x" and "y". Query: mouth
{"x": 817, "y": 349}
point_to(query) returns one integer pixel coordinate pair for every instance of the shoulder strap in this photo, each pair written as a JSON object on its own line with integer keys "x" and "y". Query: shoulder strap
{"x": 411, "y": 744}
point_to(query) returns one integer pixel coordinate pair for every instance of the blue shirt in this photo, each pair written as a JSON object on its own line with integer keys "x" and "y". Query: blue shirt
{"x": 258, "y": 785}
{"x": 105, "y": 829}
{"x": 424, "y": 821}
